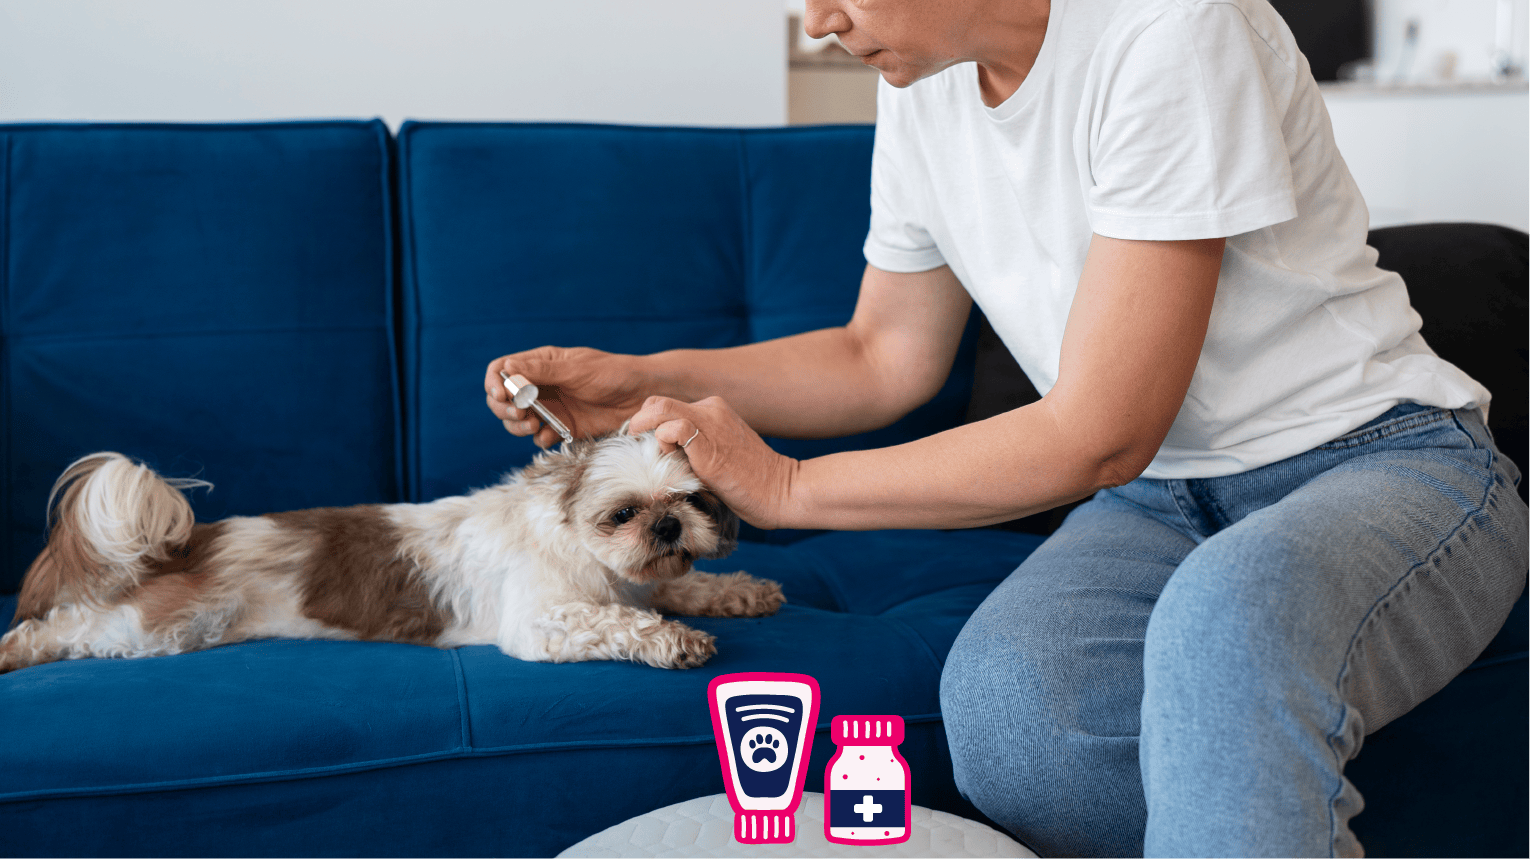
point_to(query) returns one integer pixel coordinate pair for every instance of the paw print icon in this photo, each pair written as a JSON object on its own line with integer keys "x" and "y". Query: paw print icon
{"x": 764, "y": 749}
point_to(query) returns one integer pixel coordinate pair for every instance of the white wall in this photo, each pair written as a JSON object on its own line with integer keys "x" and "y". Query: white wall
{"x": 681, "y": 62}
{"x": 1437, "y": 155}
{"x": 1469, "y": 31}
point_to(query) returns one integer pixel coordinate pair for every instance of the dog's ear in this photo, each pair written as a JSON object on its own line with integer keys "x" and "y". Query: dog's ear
{"x": 727, "y": 521}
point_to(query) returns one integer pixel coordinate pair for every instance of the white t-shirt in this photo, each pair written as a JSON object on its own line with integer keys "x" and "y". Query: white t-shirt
{"x": 1165, "y": 119}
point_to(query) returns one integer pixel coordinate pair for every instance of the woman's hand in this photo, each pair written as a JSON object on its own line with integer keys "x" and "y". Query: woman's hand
{"x": 589, "y": 390}
{"x": 727, "y": 455}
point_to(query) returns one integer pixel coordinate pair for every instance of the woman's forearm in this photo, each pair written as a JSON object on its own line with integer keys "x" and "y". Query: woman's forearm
{"x": 893, "y": 356}
{"x": 819, "y": 384}
{"x": 1011, "y": 465}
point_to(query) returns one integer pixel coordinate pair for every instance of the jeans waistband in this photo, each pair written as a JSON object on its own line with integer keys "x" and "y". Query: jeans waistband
{"x": 1398, "y": 419}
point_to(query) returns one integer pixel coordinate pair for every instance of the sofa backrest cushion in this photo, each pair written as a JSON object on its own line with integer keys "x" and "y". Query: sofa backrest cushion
{"x": 1468, "y": 282}
{"x": 211, "y": 299}
{"x": 624, "y": 239}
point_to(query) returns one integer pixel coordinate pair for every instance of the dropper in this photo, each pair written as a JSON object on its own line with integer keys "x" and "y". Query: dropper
{"x": 524, "y": 395}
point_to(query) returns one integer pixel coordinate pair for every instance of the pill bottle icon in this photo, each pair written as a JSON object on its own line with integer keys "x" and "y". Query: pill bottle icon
{"x": 866, "y": 786}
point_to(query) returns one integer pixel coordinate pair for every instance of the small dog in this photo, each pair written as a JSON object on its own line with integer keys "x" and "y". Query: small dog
{"x": 570, "y": 559}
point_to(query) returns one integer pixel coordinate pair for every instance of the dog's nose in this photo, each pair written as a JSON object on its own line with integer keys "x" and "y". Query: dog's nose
{"x": 667, "y": 529}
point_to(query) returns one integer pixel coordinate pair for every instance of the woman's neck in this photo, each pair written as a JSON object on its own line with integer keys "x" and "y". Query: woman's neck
{"x": 1011, "y": 40}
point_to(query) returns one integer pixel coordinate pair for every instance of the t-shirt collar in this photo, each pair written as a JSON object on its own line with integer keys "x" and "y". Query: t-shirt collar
{"x": 1034, "y": 80}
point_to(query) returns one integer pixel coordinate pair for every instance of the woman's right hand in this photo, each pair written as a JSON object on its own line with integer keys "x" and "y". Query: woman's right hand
{"x": 591, "y": 391}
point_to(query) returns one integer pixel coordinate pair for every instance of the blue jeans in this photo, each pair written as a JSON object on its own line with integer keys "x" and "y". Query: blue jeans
{"x": 1186, "y": 666}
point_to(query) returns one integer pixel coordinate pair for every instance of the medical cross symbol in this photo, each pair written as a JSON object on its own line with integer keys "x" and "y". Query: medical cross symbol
{"x": 867, "y": 809}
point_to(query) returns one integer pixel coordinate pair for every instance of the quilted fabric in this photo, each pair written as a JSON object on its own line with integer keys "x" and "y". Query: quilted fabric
{"x": 703, "y": 827}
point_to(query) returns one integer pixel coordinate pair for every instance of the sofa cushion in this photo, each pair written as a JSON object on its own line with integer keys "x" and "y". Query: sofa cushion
{"x": 223, "y": 743}
{"x": 212, "y": 299}
{"x": 623, "y": 239}
{"x": 1468, "y": 283}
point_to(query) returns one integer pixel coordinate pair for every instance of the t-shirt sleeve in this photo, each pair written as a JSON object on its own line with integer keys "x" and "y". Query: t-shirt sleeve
{"x": 897, "y": 240}
{"x": 1185, "y": 131}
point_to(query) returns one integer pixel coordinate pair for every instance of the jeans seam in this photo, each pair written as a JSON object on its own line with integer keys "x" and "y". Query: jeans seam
{"x": 1390, "y": 428}
{"x": 1208, "y": 502}
{"x": 1333, "y": 798}
{"x": 1179, "y": 506}
{"x": 1371, "y": 613}
{"x": 1476, "y": 445}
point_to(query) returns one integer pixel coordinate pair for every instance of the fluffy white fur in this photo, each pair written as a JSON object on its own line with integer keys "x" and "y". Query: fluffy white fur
{"x": 572, "y": 558}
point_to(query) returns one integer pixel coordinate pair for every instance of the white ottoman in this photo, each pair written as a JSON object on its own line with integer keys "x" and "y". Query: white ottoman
{"x": 704, "y": 827}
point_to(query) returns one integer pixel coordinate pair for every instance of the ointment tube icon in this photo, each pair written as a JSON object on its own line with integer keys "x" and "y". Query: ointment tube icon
{"x": 763, "y": 723}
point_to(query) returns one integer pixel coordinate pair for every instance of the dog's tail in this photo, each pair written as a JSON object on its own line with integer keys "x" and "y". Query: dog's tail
{"x": 109, "y": 518}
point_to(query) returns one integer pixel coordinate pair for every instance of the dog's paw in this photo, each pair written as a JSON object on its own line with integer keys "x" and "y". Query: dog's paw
{"x": 747, "y": 596}
{"x": 690, "y": 648}
{"x": 13, "y": 659}
{"x": 13, "y": 656}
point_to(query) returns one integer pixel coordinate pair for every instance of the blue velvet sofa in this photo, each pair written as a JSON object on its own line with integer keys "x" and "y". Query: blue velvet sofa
{"x": 301, "y": 313}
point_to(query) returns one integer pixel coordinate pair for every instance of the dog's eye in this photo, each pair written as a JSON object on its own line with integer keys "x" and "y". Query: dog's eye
{"x": 696, "y": 501}
{"x": 624, "y": 515}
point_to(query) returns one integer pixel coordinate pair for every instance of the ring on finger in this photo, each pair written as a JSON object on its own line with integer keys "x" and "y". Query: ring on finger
{"x": 692, "y": 438}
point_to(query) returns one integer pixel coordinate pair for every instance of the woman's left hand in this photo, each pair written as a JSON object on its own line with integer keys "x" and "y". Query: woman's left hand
{"x": 725, "y": 453}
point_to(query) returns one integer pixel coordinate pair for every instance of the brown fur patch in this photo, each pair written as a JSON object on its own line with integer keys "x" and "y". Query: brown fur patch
{"x": 708, "y": 503}
{"x": 572, "y": 459}
{"x": 174, "y": 584}
{"x": 574, "y": 479}
{"x": 664, "y": 567}
{"x": 60, "y": 574}
{"x": 66, "y": 568}
{"x": 356, "y": 579}
{"x": 191, "y": 557}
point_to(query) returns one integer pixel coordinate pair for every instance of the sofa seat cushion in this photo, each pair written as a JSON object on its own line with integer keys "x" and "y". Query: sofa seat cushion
{"x": 261, "y": 710}
{"x": 871, "y": 616}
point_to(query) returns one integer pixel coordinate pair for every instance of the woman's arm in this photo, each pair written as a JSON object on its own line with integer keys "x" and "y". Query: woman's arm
{"x": 1131, "y": 344}
{"x": 891, "y": 357}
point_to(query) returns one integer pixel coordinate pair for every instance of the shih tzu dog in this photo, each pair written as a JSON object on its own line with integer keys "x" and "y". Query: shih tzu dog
{"x": 572, "y": 558}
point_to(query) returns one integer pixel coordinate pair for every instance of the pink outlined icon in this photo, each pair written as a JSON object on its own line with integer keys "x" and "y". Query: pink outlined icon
{"x": 866, "y": 787}
{"x": 763, "y": 723}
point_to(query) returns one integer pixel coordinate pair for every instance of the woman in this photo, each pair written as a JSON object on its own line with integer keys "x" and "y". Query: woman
{"x": 1299, "y": 528}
